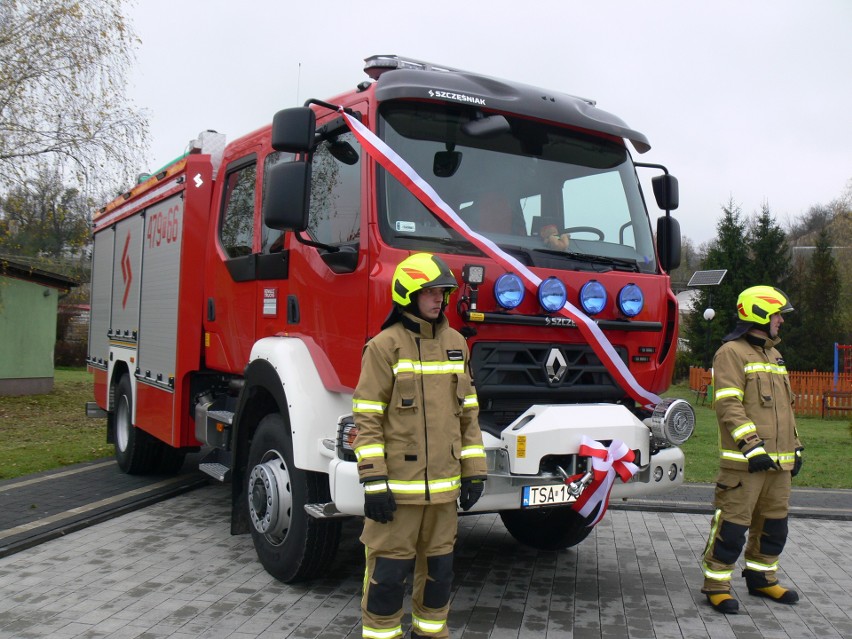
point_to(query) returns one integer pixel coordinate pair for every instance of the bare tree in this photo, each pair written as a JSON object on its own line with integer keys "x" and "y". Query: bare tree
{"x": 63, "y": 68}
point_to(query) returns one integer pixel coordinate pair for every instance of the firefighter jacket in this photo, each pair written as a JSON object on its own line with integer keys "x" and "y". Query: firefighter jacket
{"x": 753, "y": 402}
{"x": 417, "y": 413}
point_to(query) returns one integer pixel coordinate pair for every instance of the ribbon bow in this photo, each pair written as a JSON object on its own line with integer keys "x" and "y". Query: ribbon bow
{"x": 606, "y": 464}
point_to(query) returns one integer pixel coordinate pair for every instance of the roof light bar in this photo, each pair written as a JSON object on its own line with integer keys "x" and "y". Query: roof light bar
{"x": 375, "y": 65}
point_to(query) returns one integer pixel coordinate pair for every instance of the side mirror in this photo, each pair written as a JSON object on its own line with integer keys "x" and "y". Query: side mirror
{"x": 293, "y": 130}
{"x": 343, "y": 152}
{"x": 288, "y": 196}
{"x": 665, "y": 191}
{"x": 668, "y": 242}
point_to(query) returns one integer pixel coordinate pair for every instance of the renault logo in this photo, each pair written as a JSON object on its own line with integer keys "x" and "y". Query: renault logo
{"x": 555, "y": 367}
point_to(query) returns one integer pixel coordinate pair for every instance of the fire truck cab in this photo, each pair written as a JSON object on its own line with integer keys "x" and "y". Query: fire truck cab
{"x": 234, "y": 290}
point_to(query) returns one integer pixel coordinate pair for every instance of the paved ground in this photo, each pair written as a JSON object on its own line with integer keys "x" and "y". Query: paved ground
{"x": 811, "y": 503}
{"x": 171, "y": 569}
{"x": 44, "y": 506}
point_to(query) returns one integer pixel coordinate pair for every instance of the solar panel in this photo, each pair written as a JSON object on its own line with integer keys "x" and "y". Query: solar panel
{"x": 707, "y": 278}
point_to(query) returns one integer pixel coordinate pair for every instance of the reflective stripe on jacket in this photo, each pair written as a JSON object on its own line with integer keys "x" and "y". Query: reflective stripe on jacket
{"x": 417, "y": 412}
{"x": 753, "y": 401}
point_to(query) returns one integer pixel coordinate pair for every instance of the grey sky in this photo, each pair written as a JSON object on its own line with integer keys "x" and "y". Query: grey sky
{"x": 743, "y": 99}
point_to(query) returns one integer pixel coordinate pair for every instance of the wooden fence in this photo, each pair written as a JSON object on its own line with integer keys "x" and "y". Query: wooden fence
{"x": 815, "y": 393}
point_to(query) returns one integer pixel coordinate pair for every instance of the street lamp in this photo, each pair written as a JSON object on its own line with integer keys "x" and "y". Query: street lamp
{"x": 708, "y": 278}
{"x": 709, "y": 314}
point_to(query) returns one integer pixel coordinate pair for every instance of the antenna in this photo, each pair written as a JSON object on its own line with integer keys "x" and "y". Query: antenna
{"x": 298, "y": 82}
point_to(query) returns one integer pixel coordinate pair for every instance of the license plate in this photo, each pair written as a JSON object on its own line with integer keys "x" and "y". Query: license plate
{"x": 546, "y": 495}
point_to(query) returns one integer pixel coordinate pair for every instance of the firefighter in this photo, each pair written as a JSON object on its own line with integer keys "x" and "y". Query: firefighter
{"x": 760, "y": 453}
{"x": 419, "y": 449}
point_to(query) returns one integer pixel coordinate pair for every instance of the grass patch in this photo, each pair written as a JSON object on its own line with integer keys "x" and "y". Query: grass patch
{"x": 827, "y": 443}
{"x": 43, "y": 432}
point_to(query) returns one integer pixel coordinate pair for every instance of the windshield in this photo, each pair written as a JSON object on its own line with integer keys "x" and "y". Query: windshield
{"x": 550, "y": 196}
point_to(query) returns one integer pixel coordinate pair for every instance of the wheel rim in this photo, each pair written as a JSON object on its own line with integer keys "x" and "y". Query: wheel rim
{"x": 270, "y": 497}
{"x": 122, "y": 424}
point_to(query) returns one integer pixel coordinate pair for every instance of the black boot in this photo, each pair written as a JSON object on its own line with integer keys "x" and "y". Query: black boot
{"x": 759, "y": 586}
{"x": 723, "y": 602}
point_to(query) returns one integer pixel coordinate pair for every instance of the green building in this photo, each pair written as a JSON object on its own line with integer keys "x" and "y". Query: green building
{"x": 29, "y": 299}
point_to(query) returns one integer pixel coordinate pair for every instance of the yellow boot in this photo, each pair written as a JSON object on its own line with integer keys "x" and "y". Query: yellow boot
{"x": 723, "y": 602}
{"x": 759, "y": 586}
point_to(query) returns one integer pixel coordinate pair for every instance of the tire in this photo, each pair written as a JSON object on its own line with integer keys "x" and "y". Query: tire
{"x": 546, "y": 528}
{"x": 135, "y": 450}
{"x": 291, "y": 545}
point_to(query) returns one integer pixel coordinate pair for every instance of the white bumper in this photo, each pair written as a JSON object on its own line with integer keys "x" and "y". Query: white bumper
{"x": 555, "y": 432}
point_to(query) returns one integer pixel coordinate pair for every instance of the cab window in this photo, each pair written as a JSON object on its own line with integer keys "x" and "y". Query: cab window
{"x": 237, "y": 229}
{"x": 335, "y": 215}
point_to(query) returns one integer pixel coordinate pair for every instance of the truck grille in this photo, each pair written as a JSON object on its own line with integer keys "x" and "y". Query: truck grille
{"x": 510, "y": 377}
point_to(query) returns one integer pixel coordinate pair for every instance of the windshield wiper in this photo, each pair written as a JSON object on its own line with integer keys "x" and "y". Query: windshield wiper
{"x": 617, "y": 263}
{"x": 462, "y": 244}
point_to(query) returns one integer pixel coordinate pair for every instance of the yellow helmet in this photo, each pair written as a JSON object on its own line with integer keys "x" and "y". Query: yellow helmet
{"x": 758, "y": 303}
{"x": 419, "y": 271}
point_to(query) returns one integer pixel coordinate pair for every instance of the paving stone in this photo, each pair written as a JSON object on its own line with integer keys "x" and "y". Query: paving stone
{"x": 149, "y": 574}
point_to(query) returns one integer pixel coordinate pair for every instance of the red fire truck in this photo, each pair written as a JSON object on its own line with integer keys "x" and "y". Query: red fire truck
{"x": 233, "y": 292}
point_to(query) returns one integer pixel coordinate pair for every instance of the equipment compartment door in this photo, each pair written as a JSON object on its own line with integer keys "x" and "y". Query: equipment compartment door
{"x": 102, "y": 270}
{"x": 158, "y": 314}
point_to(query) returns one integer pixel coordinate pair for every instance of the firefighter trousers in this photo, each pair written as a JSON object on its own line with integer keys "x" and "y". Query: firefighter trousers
{"x": 757, "y": 503}
{"x": 421, "y": 537}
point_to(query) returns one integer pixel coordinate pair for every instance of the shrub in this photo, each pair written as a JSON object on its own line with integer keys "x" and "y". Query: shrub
{"x": 70, "y": 353}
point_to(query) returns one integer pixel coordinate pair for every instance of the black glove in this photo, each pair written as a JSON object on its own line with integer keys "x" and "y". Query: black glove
{"x": 471, "y": 491}
{"x": 379, "y": 503}
{"x": 798, "y": 461}
{"x": 759, "y": 460}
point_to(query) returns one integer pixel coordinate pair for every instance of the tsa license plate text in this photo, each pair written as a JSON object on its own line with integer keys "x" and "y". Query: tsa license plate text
{"x": 546, "y": 496}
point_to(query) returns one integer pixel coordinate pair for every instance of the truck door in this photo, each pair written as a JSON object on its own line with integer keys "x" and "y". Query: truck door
{"x": 327, "y": 298}
{"x": 231, "y": 281}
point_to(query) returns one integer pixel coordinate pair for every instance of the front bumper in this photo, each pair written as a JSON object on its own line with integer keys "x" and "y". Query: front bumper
{"x": 527, "y": 450}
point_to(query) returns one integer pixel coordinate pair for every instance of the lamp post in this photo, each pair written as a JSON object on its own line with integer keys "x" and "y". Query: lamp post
{"x": 708, "y": 278}
{"x": 709, "y": 314}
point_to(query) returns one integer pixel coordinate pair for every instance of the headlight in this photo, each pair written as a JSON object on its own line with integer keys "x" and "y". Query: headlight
{"x": 509, "y": 290}
{"x": 552, "y": 294}
{"x": 593, "y": 297}
{"x": 631, "y": 301}
{"x": 673, "y": 421}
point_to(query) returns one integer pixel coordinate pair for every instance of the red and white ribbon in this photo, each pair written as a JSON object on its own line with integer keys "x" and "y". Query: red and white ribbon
{"x": 421, "y": 189}
{"x": 617, "y": 459}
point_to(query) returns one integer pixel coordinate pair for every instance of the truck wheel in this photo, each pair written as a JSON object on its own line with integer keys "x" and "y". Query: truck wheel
{"x": 291, "y": 545}
{"x": 546, "y": 528}
{"x": 135, "y": 450}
